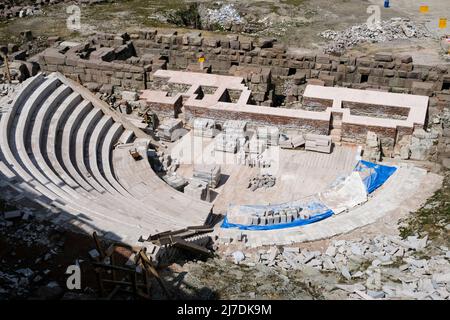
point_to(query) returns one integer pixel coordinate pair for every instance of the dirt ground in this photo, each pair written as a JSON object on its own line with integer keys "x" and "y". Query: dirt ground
{"x": 295, "y": 22}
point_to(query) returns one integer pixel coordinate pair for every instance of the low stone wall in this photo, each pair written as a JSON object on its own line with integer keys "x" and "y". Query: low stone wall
{"x": 224, "y": 54}
{"x": 170, "y": 110}
{"x": 358, "y": 133}
{"x": 117, "y": 73}
{"x": 376, "y": 111}
{"x": 256, "y": 119}
{"x": 384, "y": 71}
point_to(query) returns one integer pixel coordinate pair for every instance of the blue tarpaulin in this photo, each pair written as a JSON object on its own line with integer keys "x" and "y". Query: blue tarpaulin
{"x": 295, "y": 223}
{"x": 373, "y": 175}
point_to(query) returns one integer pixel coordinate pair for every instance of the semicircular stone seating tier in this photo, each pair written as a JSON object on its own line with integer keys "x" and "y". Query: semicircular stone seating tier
{"x": 62, "y": 148}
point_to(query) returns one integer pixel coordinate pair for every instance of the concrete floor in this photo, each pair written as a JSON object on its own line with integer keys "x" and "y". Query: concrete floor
{"x": 299, "y": 173}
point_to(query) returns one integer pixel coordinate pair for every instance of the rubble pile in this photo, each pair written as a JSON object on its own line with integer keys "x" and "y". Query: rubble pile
{"x": 11, "y": 9}
{"x": 224, "y": 17}
{"x": 6, "y": 96}
{"x": 22, "y": 278}
{"x": 261, "y": 181}
{"x": 393, "y": 29}
{"x": 423, "y": 144}
{"x": 208, "y": 173}
{"x": 382, "y": 267}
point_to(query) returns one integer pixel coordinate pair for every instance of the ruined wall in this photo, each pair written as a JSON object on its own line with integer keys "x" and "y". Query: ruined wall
{"x": 376, "y": 111}
{"x": 166, "y": 109}
{"x": 383, "y": 71}
{"x": 358, "y": 133}
{"x": 102, "y": 72}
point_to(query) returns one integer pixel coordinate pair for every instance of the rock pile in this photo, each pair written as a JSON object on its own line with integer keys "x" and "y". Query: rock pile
{"x": 395, "y": 28}
{"x": 423, "y": 144}
{"x": 261, "y": 181}
{"x": 382, "y": 267}
{"x": 11, "y": 9}
{"x": 224, "y": 17}
{"x": 6, "y": 96}
{"x": 22, "y": 226}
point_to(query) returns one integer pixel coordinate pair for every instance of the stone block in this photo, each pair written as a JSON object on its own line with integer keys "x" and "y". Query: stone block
{"x": 246, "y": 46}
{"x": 384, "y": 57}
{"x": 328, "y": 80}
{"x": 52, "y": 56}
{"x": 364, "y": 71}
{"x": 316, "y": 82}
{"x": 406, "y": 59}
{"x": 130, "y": 95}
{"x": 235, "y": 44}
{"x": 422, "y": 88}
{"x": 323, "y": 58}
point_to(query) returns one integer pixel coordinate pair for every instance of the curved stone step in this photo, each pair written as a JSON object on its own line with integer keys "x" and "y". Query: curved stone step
{"x": 95, "y": 143}
{"x": 40, "y": 123}
{"x": 41, "y": 185}
{"x": 112, "y": 137}
{"x": 84, "y": 131}
{"x": 56, "y": 149}
{"x": 56, "y": 122}
{"x": 73, "y": 177}
{"x": 126, "y": 137}
{"x": 61, "y": 178}
{"x": 150, "y": 189}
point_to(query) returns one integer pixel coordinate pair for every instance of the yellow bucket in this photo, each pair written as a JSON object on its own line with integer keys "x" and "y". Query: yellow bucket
{"x": 442, "y": 23}
{"x": 423, "y": 9}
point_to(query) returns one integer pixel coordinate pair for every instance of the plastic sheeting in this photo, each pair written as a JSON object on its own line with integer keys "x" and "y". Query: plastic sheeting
{"x": 295, "y": 223}
{"x": 365, "y": 178}
{"x": 346, "y": 195}
{"x": 373, "y": 175}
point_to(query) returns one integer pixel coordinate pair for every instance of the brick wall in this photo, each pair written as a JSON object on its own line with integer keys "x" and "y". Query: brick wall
{"x": 285, "y": 122}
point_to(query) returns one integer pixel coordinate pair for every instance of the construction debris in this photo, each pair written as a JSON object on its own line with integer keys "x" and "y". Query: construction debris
{"x": 205, "y": 128}
{"x": 211, "y": 174}
{"x": 369, "y": 265}
{"x": 197, "y": 189}
{"x": 167, "y": 129}
{"x": 235, "y": 128}
{"x": 315, "y": 142}
{"x": 261, "y": 181}
{"x": 226, "y": 143}
{"x": 395, "y": 28}
{"x": 291, "y": 141}
{"x": 269, "y": 135}
{"x": 256, "y": 146}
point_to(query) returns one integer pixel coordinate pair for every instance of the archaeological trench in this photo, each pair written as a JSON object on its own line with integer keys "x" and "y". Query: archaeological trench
{"x": 239, "y": 146}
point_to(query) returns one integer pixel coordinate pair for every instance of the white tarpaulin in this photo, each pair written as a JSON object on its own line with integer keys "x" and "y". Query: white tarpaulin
{"x": 345, "y": 195}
